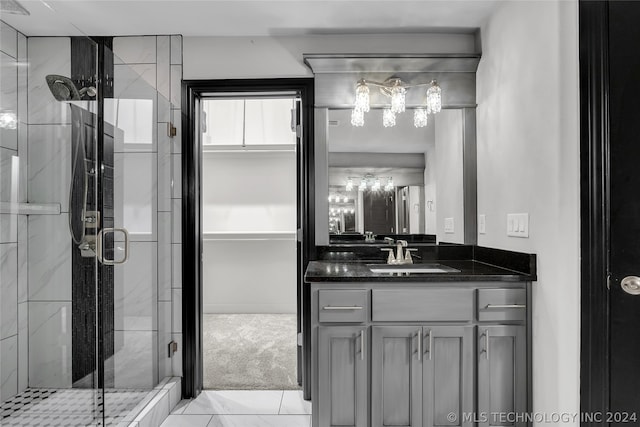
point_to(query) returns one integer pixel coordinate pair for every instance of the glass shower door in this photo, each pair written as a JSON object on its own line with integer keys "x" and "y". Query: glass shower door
{"x": 49, "y": 280}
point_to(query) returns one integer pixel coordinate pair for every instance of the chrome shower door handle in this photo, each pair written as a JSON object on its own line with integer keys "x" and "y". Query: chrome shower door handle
{"x": 99, "y": 241}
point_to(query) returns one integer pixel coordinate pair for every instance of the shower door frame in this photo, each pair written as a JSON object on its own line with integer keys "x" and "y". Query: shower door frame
{"x": 193, "y": 91}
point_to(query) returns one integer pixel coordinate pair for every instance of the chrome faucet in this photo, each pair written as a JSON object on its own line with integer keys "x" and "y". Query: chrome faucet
{"x": 402, "y": 256}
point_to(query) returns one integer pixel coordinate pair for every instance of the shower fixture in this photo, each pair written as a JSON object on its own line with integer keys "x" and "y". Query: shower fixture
{"x": 63, "y": 88}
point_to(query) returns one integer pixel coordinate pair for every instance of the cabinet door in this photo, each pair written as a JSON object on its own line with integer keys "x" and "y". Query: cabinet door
{"x": 396, "y": 376}
{"x": 502, "y": 390}
{"x": 342, "y": 376}
{"x": 448, "y": 375}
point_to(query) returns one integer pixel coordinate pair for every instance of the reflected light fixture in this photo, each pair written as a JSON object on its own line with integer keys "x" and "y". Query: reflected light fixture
{"x": 376, "y": 185}
{"x": 389, "y": 186}
{"x": 363, "y": 185}
{"x": 396, "y": 90}
{"x": 349, "y": 185}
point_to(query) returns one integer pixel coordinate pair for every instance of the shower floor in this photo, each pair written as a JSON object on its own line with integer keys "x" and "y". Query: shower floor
{"x": 70, "y": 407}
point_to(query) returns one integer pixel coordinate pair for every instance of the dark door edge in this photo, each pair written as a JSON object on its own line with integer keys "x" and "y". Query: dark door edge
{"x": 594, "y": 203}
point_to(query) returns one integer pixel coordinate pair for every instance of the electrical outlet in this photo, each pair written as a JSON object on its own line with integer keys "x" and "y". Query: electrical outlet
{"x": 448, "y": 225}
{"x": 482, "y": 224}
{"x": 518, "y": 225}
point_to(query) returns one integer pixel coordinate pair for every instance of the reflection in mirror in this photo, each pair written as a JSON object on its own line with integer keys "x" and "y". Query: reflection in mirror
{"x": 387, "y": 180}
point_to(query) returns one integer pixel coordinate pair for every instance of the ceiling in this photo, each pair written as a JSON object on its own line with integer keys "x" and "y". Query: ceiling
{"x": 248, "y": 18}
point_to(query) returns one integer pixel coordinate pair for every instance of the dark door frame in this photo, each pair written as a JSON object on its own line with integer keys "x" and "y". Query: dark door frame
{"x": 192, "y": 92}
{"x": 594, "y": 206}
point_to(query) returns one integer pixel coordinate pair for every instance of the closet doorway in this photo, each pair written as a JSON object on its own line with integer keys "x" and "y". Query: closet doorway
{"x": 249, "y": 227}
{"x": 248, "y": 223}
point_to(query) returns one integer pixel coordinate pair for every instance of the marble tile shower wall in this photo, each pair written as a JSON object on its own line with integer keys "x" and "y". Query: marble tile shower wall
{"x": 13, "y": 227}
{"x": 148, "y": 200}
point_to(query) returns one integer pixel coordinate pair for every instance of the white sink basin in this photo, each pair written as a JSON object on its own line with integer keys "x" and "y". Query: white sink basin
{"x": 411, "y": 268}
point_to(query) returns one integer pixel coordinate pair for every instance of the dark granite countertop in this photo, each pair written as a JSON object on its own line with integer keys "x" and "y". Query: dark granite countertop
{"x": 355, "y": 271}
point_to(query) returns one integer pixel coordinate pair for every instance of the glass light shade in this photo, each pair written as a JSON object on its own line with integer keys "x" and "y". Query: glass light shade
{"x": 363, "y": 185}
{"x": 389, "y": 186}
{"x": 398, "y": 99}
{"x": 434, "y": 98}
{"x": 420, "y": 117}
{"x": 362, "y": 97}
{"x": 349, "y": 185}
{"x": 353, "y": 211}
{"x": 388, "y": 118}
{"x": 376, "y": 185}
{"x": 357, "y": 117}
{"x": 345, "y": 199}
{"x": 330, "y": 198}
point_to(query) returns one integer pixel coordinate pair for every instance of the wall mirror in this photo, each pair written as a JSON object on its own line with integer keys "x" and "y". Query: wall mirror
{"x": 419, "y": 182}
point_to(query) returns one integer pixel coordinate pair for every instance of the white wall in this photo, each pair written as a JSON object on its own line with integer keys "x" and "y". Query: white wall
{"x": 265, "y": 57}
{"x": 449, "y": 175}
{"x": 528, "y": 161}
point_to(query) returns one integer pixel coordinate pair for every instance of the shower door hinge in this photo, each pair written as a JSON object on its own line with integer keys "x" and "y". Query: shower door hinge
{"x": 171, "y": 130}
{"x": 299, "y": 339}
{"x": 173, "y": 347}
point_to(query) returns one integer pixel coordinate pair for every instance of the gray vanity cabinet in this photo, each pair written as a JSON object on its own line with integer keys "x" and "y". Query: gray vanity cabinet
{"x": 343, "y": 376}
{"x": 502, "y": 375}
{"x": 421, "y": 375}
{"x": 396, "y": 376}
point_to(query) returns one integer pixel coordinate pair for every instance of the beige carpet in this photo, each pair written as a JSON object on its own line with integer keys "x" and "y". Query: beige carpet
{"x": 249, "y": 351}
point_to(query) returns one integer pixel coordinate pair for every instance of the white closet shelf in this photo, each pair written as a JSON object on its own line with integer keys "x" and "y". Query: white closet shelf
{"x": 248, "y": 235}
{"x": 30, "y": 208}
{"x": 279, "y": 148}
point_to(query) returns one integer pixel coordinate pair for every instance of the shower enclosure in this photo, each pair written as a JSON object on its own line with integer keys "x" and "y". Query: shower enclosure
{"x": 87, "y": 214}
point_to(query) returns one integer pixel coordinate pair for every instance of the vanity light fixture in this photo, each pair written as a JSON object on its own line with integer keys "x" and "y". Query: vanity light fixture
{"x": 349, "y": 186}
{"x": 363, "y": 185}
{"x": 395, "y": 89}
{"x": 389, "y": 186}
{"x": 420, "y": 117}
{"x": 376, "y": 185}
{"x": 388, "y": 118}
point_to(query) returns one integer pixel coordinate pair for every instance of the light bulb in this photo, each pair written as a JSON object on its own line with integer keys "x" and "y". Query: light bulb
{"x": 345, "y": 199}
{"x": 363, "y": 185}
{"x": 434, "y": 98}
{"x": 353, "y": 211}
{"x": 420, "y": 117}
{"x": 362, "y": 97}
{"x": 330, "y": 198}
{"x": 376, "y": 185}
{"x": 397, "y": 99}
{"x": 357, "y": 118}
{"x": 388, "y": 118}
{"x": 349, "y": 185}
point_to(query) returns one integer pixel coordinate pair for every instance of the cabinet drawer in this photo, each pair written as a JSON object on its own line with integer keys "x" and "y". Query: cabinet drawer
{"x": 422, "y": 305}
{"x": 343, "y": 305}
{"x": 496, "y": 305}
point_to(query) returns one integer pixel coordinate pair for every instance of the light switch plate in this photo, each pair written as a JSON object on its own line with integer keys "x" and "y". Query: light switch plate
{"x": 482, "y": 224}
{"x": 448, "y": 225}
{"x": 518, "y": 225}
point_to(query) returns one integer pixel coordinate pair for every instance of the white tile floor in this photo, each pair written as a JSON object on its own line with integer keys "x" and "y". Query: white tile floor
{"x": 240, "y": 408}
